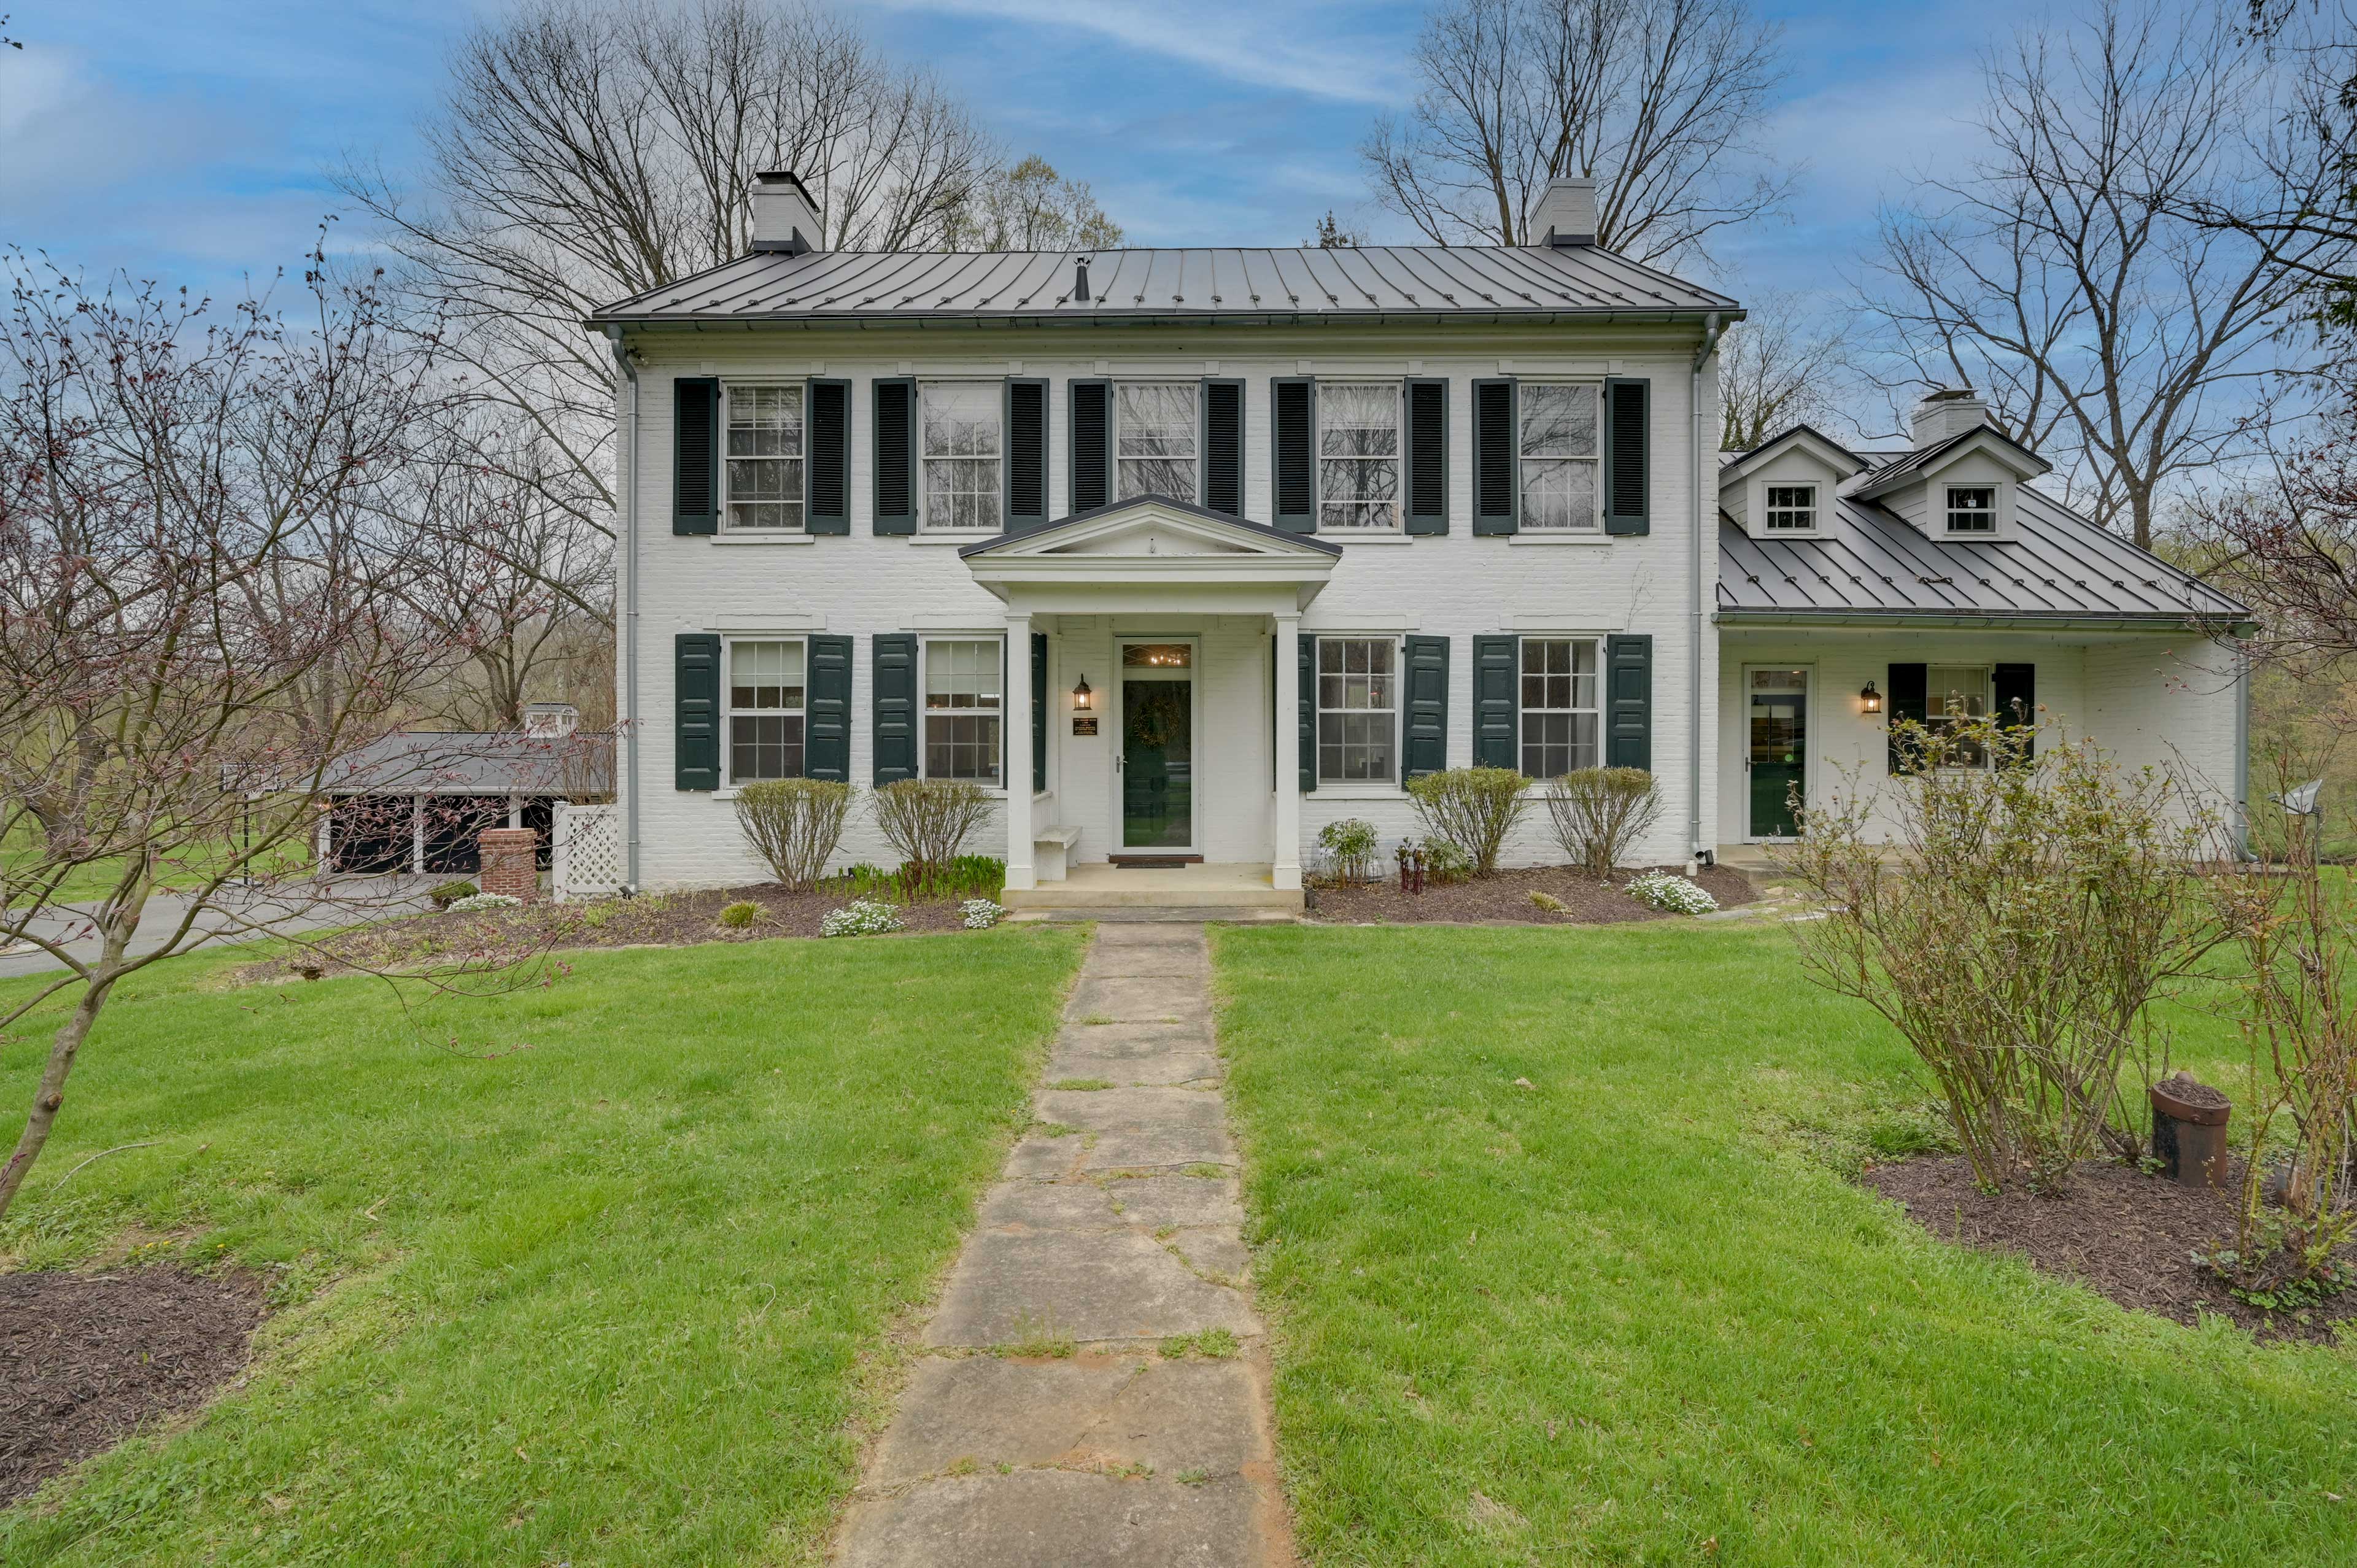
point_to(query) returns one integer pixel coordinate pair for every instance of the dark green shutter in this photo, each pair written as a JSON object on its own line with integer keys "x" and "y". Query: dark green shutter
{"x": 1497, "y": 708}
{"x": 1427, "y": 480}
{"x": 1039, "y": 709}
{"x": 1224, "y": 448}
{"x": 893, "y": 697}
{"x": 2014, "y": 688}
{"x": 695, "y": 457}
{"x": 1497, "y": 492}
{"x": 826, "y": 493}
{"x": 1293, "y": 415}
{"x": 695, "y": 710}
{"x": 1424, "y": 743}
{"x": 1628, "y": 702}
{"x": 827, "y": 747}
{"x": 1628, "y": 424}
{"x": 1092, "y": 445}
{"x": 1027, "y": 455}
{"x": 895, "y": 457}
{"x": 1305, "y": 739}
{"x": 1909, "y": 688}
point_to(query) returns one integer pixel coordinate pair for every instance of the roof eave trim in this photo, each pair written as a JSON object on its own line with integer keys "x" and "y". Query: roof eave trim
{"x": 1607, "y": 316}
{"x": 2219, "y": 624}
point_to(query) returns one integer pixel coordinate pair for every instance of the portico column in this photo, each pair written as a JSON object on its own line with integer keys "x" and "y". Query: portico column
{"x": 1017, "y": 752}
{"x": 1285, "y": 861}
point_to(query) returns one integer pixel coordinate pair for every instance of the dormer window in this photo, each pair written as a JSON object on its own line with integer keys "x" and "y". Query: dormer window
{"x": 1972, "y": 509}
{"x": 1791, "y": 509}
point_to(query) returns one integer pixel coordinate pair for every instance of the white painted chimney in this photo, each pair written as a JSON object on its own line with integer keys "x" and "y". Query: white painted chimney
{"x": 1951, "y": 411}
{"x": 784, "y": 216}
{"x": 1566, "y": 215}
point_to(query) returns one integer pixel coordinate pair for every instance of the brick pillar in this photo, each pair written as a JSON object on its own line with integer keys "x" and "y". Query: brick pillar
{"x": 509, "y": 862}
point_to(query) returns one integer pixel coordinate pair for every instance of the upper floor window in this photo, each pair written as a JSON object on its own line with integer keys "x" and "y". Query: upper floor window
{"x": 1559, "y": 717}
{"x": 963, "y": 683}
{"x": 766, "y": 709}
{"x": 1972, "y": 509}
{"x": 1562, "y": 488}
{"x": 1791, "y": 509}
{"x": 765, "y": 457}
{"x": 1358, "y": 709}
{"x": 1358, "y": 456}
{"x": 1156, "y": 435}
{"x": 960, "y": 442}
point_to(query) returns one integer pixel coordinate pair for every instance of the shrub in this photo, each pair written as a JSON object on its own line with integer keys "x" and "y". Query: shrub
{"x": 1547, "y": 902}
{"x": 928, "y": 820}
{"x": 449, "y": 892}
{"x": 742, "y": 914}
{"x": 1473, "y": 807}
{"x": 1444, "y": 862}
{"x": 978, "y": 876}
{"x": 1671, "y": 893}
{"x": 861, "y": 918}
{"x": 980, "y": 914}
{"x": 1599, "y": 813}
{"x": 474, "y": 901}
{"x": 1351, "y": 841}
{"x": 794, "y": 825}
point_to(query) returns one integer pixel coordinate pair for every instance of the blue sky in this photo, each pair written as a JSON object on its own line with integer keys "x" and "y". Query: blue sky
{"x": 187, "y": 140}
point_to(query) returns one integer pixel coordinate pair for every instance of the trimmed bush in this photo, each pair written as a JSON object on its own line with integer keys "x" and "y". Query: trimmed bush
{"x": 1599, "y": 813}
{"x": 794, "y": 825}
{"x": 742, "y": 914}
{"x": 449, "y": 892}
{"x": 1445, "y": 862}
{"x": 1473, "y": 807}
{"x": 1351, "y": 841}
{"x": 928, "y": 820}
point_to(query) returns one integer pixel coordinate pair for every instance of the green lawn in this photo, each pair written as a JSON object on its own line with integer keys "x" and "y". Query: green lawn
{"x": 616, "y": 1293}
{"x": 1637, "y": 1308}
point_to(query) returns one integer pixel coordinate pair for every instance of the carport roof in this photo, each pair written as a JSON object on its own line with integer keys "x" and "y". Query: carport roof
{"x": 463, "y": 762}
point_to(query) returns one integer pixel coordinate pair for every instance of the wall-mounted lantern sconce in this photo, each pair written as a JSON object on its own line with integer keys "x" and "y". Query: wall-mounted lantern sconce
{"x": 1871, "y": 700}
{"x": 1081, "y": 696}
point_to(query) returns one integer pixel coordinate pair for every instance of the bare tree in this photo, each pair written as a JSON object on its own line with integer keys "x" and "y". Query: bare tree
{"x": 1031, "y": 207}
{"x": 1779, "y": 366}
{"x": 2060, "y": 275}
{"x": 1660, "y": 100}
{"x": 2286, "y": 538}
{"x": 1335, "y": 235}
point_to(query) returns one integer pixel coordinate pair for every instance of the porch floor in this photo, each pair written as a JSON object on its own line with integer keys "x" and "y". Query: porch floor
{"x": 1100, "y": 886}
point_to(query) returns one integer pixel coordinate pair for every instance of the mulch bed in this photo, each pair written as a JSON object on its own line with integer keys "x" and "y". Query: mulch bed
{"x": 1505, "y": 898}
{"x": 86, "y": 1358}
{"x": 2125, "y": 1234}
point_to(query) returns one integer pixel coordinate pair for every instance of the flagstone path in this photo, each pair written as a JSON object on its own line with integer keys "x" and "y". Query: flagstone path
{"x": 1095, "y": 1384}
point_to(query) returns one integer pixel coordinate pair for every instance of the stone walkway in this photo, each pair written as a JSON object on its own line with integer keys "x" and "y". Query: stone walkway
{"x": 1095, "y": 1386}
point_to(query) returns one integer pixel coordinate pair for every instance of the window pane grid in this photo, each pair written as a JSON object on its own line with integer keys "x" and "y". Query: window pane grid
{"x": 1560, "y": 722}
{"x": 1972, "y": 509}
{"x": 959, "y": 442}
{"x": 962, "y": 709}
{"x": 1154, "y": 439}
{"x": 1791, "y": 507}
{"x": 1357, "y": 711}
{"x": 1560, "y": 461}
{"x": 1956, "y": 694}
{"x": 766, "y": 710}
{"x": 764, "y": 468}
{"x": 1358, "y": 456}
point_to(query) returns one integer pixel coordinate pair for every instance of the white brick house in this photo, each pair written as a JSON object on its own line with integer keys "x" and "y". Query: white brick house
{"x": 1211, "y": 547}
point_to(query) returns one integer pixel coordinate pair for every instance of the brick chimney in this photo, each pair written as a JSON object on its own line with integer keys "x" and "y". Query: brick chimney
{"x": 1950, "y": 411}
{"x": 1566, "y": 215}
{"x": 784, "y": 216}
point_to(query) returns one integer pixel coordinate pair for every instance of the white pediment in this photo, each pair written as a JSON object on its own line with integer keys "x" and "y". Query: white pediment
{"x": 1146, "y": 529}
{"x": 1154, "y": 547}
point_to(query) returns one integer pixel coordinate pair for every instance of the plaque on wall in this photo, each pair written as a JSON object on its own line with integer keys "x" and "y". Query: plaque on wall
{"x": 1084, "y": 723}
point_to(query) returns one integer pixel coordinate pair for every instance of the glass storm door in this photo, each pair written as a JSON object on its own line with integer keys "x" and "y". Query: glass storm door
{"x": 1157, "y": 746}
{"x": 1777, "y": 748}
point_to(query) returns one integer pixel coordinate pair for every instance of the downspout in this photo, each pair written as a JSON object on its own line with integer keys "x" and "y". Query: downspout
{"x": 1702, "y": 852}
{"x": 2242, "y": 750}
{"x": 630, "y": 610}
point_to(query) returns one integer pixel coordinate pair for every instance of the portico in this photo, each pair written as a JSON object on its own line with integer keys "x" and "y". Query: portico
{"x": 1164, "y": 643}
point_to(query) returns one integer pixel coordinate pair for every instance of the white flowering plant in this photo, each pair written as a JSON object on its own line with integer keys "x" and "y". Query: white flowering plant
{"x": 861, "y": 918}
{"x": 1672, "y": 894}
{"x": 980, "y": 914}
{"x": 474, "y": 901}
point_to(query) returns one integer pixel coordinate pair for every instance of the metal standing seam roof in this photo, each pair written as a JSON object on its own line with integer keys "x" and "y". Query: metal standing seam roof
{"x": 1475, "y": 282}
{"x": 463, "y": 762}
{"x": 1870, "y": 561}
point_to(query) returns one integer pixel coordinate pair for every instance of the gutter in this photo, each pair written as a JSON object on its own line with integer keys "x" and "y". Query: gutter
{"x": 630, "y": 611}
{"x": 2157, "y": 621}
{"x": 1609, "y": 316}
{"x": 1699, "y": 611}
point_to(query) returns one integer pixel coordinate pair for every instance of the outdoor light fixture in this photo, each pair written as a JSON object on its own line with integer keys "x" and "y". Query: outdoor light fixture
{"x": 1081, "y": 695}
{"x": 1871, "y": 700}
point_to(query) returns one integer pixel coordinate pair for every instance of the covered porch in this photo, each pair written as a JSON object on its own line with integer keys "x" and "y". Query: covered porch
{"x": 1164, "y": 644}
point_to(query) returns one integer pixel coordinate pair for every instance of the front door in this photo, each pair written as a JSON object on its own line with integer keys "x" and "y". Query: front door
{"x": 1157, "y": 747}
{"x": 1777, "y": 749}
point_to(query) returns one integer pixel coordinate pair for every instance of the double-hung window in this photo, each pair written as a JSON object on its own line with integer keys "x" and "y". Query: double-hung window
{"x": 1157, "y": 439}
{"x": 961, "y": 442}
{"x": 1791, "y": 509}
{"x": 963, "y": 678}
{"x": 1956, "y": 694}
{"x": 1972, "y": 509}
{"x": 1358, "y": 709}
{"x": 765, "y": 457}
{"x": 1563, "y": 485}
{"x": 1358, "y": 456}
{"x": 766, "y": 709}
{"x": 1560, "y": 723}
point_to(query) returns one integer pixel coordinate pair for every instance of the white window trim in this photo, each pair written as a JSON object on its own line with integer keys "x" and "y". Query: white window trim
{"x": 1358, "y": 789}
{"x": 1767, "y": 508}
{"x": 934, "y": 532}
{"x": 729, "y": 640}
{"x": 1523, "y": 527}
{"x": 1935, "y": 704}
{"x": 730, "y": 532}
{"x": 1112, "y": 411}
{"x": 1397, "y": 526}
{"x": 925, "y": 641}
{"x": 1522, "y": 712}
{"x": 1996, "y": 513}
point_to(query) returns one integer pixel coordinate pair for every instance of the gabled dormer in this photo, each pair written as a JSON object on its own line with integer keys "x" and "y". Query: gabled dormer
{"x": 1783, "y": 488}
{"x": 1959, "y": 483}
